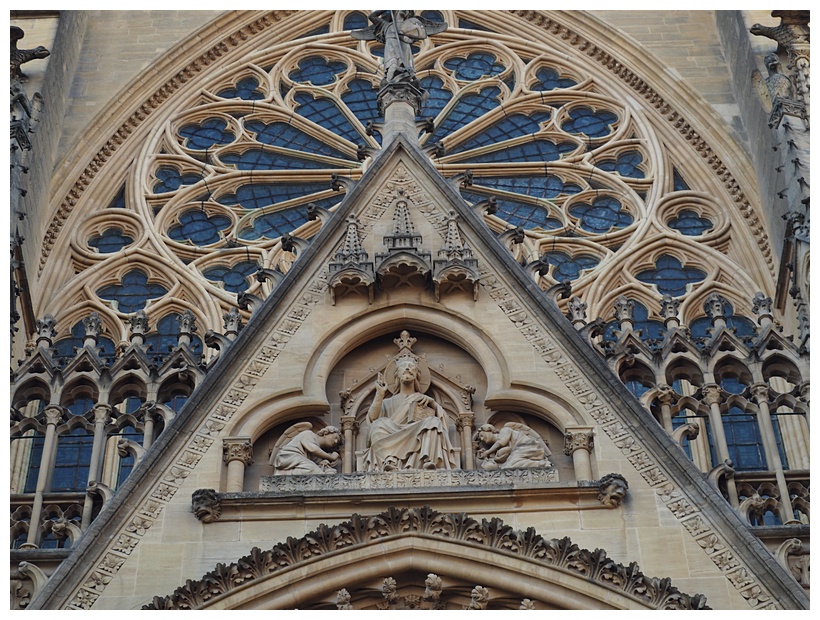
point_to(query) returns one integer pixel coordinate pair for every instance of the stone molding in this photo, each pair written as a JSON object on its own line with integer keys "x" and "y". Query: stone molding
{"x": 455, "y": 478}
{"x": 561, "y": 554}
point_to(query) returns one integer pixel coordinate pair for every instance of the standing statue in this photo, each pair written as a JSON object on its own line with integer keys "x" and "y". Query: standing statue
{"x": 408, "y": 430}
{"x": 398, "y": 31}
{"x": 515, "y": 445}
{"x": 306, "y": 451}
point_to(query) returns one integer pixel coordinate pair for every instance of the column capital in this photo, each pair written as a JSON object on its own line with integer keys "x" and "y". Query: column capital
{"x": 237, "y": 449}
{"x": 712, "y": 394}
{"x": 665, "y": 394}
{"x": 465, "y": 419}
{"x": 578, "y": 439}
{"x": 348, "y": 423}
{"x": 54, "y": 414}
{"x": 760, "y": 392}
{"x": 102, "y": 413}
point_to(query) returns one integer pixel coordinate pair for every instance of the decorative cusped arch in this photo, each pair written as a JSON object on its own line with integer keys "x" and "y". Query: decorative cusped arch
{"x": 307, "y": 572}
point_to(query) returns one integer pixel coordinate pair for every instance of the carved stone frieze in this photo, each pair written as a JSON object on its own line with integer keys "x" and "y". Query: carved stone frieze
{"x": 518, "y": 478}
{"x": 559, "y": 554}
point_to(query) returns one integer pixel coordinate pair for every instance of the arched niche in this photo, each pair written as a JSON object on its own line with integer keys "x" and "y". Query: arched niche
{"x": 457, "y": 380}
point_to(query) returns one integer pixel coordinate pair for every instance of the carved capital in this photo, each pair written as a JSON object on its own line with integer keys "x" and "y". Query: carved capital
{"x": 665, "y": 394}
{"x": 46, "y": 330}
{"x": 760, "y": 392}
{"x": 577, "y": 310}
{"x": 612, "y": 489}
{"x": 102, "y": 413}
{"x": 669, "y": 307}
{"x": 712, "y": 394}
{"x": 205, "y": 504}
{"x": 465, "y": 420}
{"x": 54, "y": 414}
{"x": 187, "y": 322}
{"x": 762, "y": 306}
{"x": 715, "y": 306}
{"x": 624, "y": 308}
{"x": 578, "y": 440}
{"x": 237, "y": 449}
{"x": 232, "y": 321}
{"x": 349, "y": 423}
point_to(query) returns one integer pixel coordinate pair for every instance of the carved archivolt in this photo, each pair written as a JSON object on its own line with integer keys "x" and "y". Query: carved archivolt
{"x": 361, "y": 531}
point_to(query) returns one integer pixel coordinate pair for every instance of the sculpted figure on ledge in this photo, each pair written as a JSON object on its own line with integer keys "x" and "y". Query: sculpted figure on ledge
{"x": 408, "y": 430}
{"x": 306, "y": 451}
{"x": 515, "y": 445}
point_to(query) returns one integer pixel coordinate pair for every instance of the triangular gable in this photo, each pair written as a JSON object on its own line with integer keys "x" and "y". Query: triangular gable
{"x": 513, "y": 297}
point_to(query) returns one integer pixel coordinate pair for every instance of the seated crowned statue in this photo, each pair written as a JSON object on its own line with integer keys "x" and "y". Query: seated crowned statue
{"x": 408, "y": 430}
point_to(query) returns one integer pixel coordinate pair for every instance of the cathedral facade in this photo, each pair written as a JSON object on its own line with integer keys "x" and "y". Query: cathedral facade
{"x": 410, "y": 310}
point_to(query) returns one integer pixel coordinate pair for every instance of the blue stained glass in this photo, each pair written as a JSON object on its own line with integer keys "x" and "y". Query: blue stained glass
{"x": 119, "y": 200}
{"x": 604, "y": 214}
{"x": 277, "y": 223}
{"x": 690, "y": 223}
{"x": 325, "y": 112}
{"x": 198, "y": 227}
{"x": 589, "y": 122}
{"x": 171, "y": 179}
{"x": 512, "y": 126}
{"x": 627, "y": 165}
{"x": 743, "y": 440}
{"x": 649, "y": 329}
{"x": 437, "y": 96}
{"x": 246, "y": 88}
{"x": 474, "y": 66}
{"x": 260, "y": 159}
{"x": 111, "y": 240}
{"x": 546, "y": 186}
{"x": 678, "y": 184}
{"x": 549, "y": 79}
{"x": 317, "y": 70}
{"x": 468, "y": 25}
{"x": 433, "y": 16}
{"x": 133, "y": 292}
{"x": 257, "y": 195}
{"x": 320, "y": 30}
{"x": 166, "y": 337}
{"x": 205, "y": 135}
{"x": 535, "y": 151}
{"x": 670, "y": 276}
{"x": 566, "y": 267}
{"x": 518, "y": 213}
{"x": 468, "y": 108}
{"x": 72, "y": 461}
{"x": 287, "y": 136}
{"x": 732, "y": 385}
{"x": 64, "y": 348}
{"x": 361, "y": 99}
{"x": 355, "y": 20}
{"x": 234, "y": 278}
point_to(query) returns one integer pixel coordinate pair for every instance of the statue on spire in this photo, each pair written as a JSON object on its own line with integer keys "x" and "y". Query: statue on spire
{"x": 398, "y": 31}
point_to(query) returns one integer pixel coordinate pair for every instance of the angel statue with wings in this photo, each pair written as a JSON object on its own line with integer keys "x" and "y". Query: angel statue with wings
{"x": 398, "y": 30}
{"x": 300, "y": 450}
{"x": 515, "y": 445}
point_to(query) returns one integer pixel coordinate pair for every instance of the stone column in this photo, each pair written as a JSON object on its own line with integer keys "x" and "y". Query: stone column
{"x": 464, "y": 425}
{"x": 102, "y": 413}
{"x": 760, "y": 393}
{"x": 237, "y": 452}
{"x": 712, "y": 397}
{"x": 148, "y": 420}
{"x": 54, "y": 415}
{"x": 578, "y": 443}
{"x": 666, "y": 396}
{"x": 348, "y": 427}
